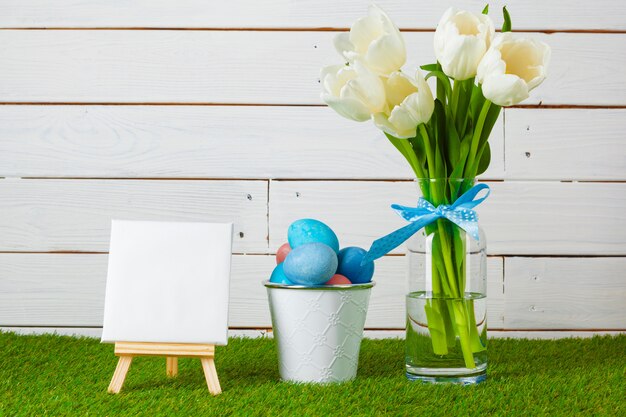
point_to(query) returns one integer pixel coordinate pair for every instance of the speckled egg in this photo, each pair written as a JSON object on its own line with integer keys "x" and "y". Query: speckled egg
{"x": 350, "y": 265}
{"x": 305, "y": 231}
{"x": 310, "y": 264}
{"x": 279, "y": 277}
{"x": 282, "y": 253}
{"x": 338, "y": 280}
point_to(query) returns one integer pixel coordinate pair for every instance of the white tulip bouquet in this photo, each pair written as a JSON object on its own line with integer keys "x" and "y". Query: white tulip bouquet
{"x": 444, "y": 137}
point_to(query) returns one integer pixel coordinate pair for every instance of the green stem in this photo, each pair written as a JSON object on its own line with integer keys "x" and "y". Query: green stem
{"x": 447, "y": 260}
{"x": 454, "y": 100}
{"x": 476, "y": 137}
{"x": 436, "y": 327}
{"x": 462, "y": 327}
{"x": 476, "y": 343}
{"x": 457, "y": 319}
{"x": 429, "y": 151}
{"x": 468, "y": 90}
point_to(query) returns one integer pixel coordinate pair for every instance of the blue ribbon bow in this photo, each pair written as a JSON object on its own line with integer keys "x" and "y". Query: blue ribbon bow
{"x": 460, "y": 213}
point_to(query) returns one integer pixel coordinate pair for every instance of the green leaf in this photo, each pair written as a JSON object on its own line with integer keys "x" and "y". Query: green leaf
{"x": 430, "y": 67}
{"x": 445, "y": 81}
{"x": 440, "y": 136}
{"x": 459, "y": 167}
{"x": 506, "y": 26}
{"x": 419, "y": 150}
{"x": 462, "y": 105}
{"x": 476, "y": 103}
{"x": 453, "y": 148}
{"x": 464, "y": 149}
{"x": 486, "y": 9}
{"x": 484, "y": 160}
{"x": 441, "y": 168}
{"x": 490, "y": 121}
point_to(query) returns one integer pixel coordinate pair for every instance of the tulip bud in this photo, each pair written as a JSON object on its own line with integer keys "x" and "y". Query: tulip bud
{"x": 512, "y": 68}
{"x": 461, "y": 40}
{"x": 352, "y": 91}
{"x": 409, "y": 104}
{"x": 375, "y": 41}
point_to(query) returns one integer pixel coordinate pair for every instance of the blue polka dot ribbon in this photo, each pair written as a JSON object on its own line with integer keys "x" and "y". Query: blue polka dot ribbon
{"x": 460, "y": 213}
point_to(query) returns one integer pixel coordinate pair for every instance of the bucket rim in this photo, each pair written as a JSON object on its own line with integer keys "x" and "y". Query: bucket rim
{"x": 339, "y": 287}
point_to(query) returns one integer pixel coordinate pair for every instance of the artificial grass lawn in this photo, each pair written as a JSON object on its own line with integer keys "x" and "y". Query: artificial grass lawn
{"x": 56, "y": 375}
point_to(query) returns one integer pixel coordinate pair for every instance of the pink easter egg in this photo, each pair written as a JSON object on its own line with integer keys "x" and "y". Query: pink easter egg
{"x": 282, "y": 253}
{"x": 338, "y": 280}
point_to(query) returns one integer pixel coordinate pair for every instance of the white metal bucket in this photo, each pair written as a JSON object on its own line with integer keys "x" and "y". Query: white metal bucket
{"x": 318, "y": 330}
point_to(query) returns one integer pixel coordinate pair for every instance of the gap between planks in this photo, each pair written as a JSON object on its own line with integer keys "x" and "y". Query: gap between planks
{"x": 270, "y": 253}
{"x": 95, "y": 332}
{"x": 296, "y": 29}
{"x": 212, "y": 103}
{"x": 486, "y": 180}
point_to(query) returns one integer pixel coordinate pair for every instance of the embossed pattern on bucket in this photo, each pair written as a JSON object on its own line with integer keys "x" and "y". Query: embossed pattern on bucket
{"x": 319, "y": 331}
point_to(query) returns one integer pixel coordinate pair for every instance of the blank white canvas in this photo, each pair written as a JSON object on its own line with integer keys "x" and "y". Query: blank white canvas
{"x": 168, "y": 282}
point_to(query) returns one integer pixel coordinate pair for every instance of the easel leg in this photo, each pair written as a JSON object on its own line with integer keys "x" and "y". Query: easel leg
{"x": 171, "y": 366}
{"x": 120, "y": 374}
{"x": 210, "y": 374}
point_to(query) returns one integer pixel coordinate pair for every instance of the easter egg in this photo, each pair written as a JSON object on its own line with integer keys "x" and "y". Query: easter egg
{"x": 282, "y": 253}
{"x": 350, "y": 265}
{"x": 305, "y": 231}
{"x": 338, "y": 280}
{"x": 279, "y": 277}
{"x": 310, "y": 264}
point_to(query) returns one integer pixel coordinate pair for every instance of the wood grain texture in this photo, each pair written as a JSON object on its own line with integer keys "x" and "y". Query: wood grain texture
{"x": 553, "y": 293}
{"x": 566, "y": 144}
{"x": 75, "y": 215}
{"x": 138, "y": 66}
{"x": 292, "y": 13}
{"x": 119, "y": 376}
{"x": 182, "y": 350}
{"x": 68, "y": 290}
{"x": 533, "y": 218}
{"x": 200, "y": 142}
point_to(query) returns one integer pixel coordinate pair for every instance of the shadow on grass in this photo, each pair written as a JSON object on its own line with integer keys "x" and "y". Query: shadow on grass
{"x": 381, "y": 359}
{"x": 237, "y": 366}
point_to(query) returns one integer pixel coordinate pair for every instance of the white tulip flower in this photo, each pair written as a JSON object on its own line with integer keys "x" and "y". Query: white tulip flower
{"x": 375, "y": 41}
{"x": 352, "y": 91}
{"x": 461, "y": 40}
{"x": 512, "y": 68}
{"x": 409, "y": 104}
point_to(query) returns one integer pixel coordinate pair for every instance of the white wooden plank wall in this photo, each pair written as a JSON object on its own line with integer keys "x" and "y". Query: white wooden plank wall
{"x": 196, "y": 110}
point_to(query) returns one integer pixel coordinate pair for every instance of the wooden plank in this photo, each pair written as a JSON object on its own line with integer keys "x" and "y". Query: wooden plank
{"x": 199, "y": 142}
{"x": 573, "y": 293}
{"x": 566, "y": 144}
{"x": 75, "y": 215}
{"x": 530, "y": 218}
{"x": 96, "y": 332}
{"x": 62, "y": 290}
{"x": 296, "y": 14}
{"x": 137, "y": 66}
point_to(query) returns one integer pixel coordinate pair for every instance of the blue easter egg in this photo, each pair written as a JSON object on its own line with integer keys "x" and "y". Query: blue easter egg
{"x": 310, "y": 264}
{"x": 350, "y": 265}
{"x": 279, "y": 277}
{"x": 305, "y": 231}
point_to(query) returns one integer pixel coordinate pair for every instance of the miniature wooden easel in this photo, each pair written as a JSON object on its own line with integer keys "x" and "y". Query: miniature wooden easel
{"x": 172, "y": 351}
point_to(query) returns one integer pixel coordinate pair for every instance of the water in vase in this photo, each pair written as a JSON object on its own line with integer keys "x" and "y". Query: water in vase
{"x": 433, "y": 349}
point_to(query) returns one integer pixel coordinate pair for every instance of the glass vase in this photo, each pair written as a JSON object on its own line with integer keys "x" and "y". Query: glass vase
{"x": 446, "y": 330}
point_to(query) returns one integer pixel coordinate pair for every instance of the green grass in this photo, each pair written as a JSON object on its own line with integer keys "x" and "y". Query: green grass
{"x": 54, "y": 375}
